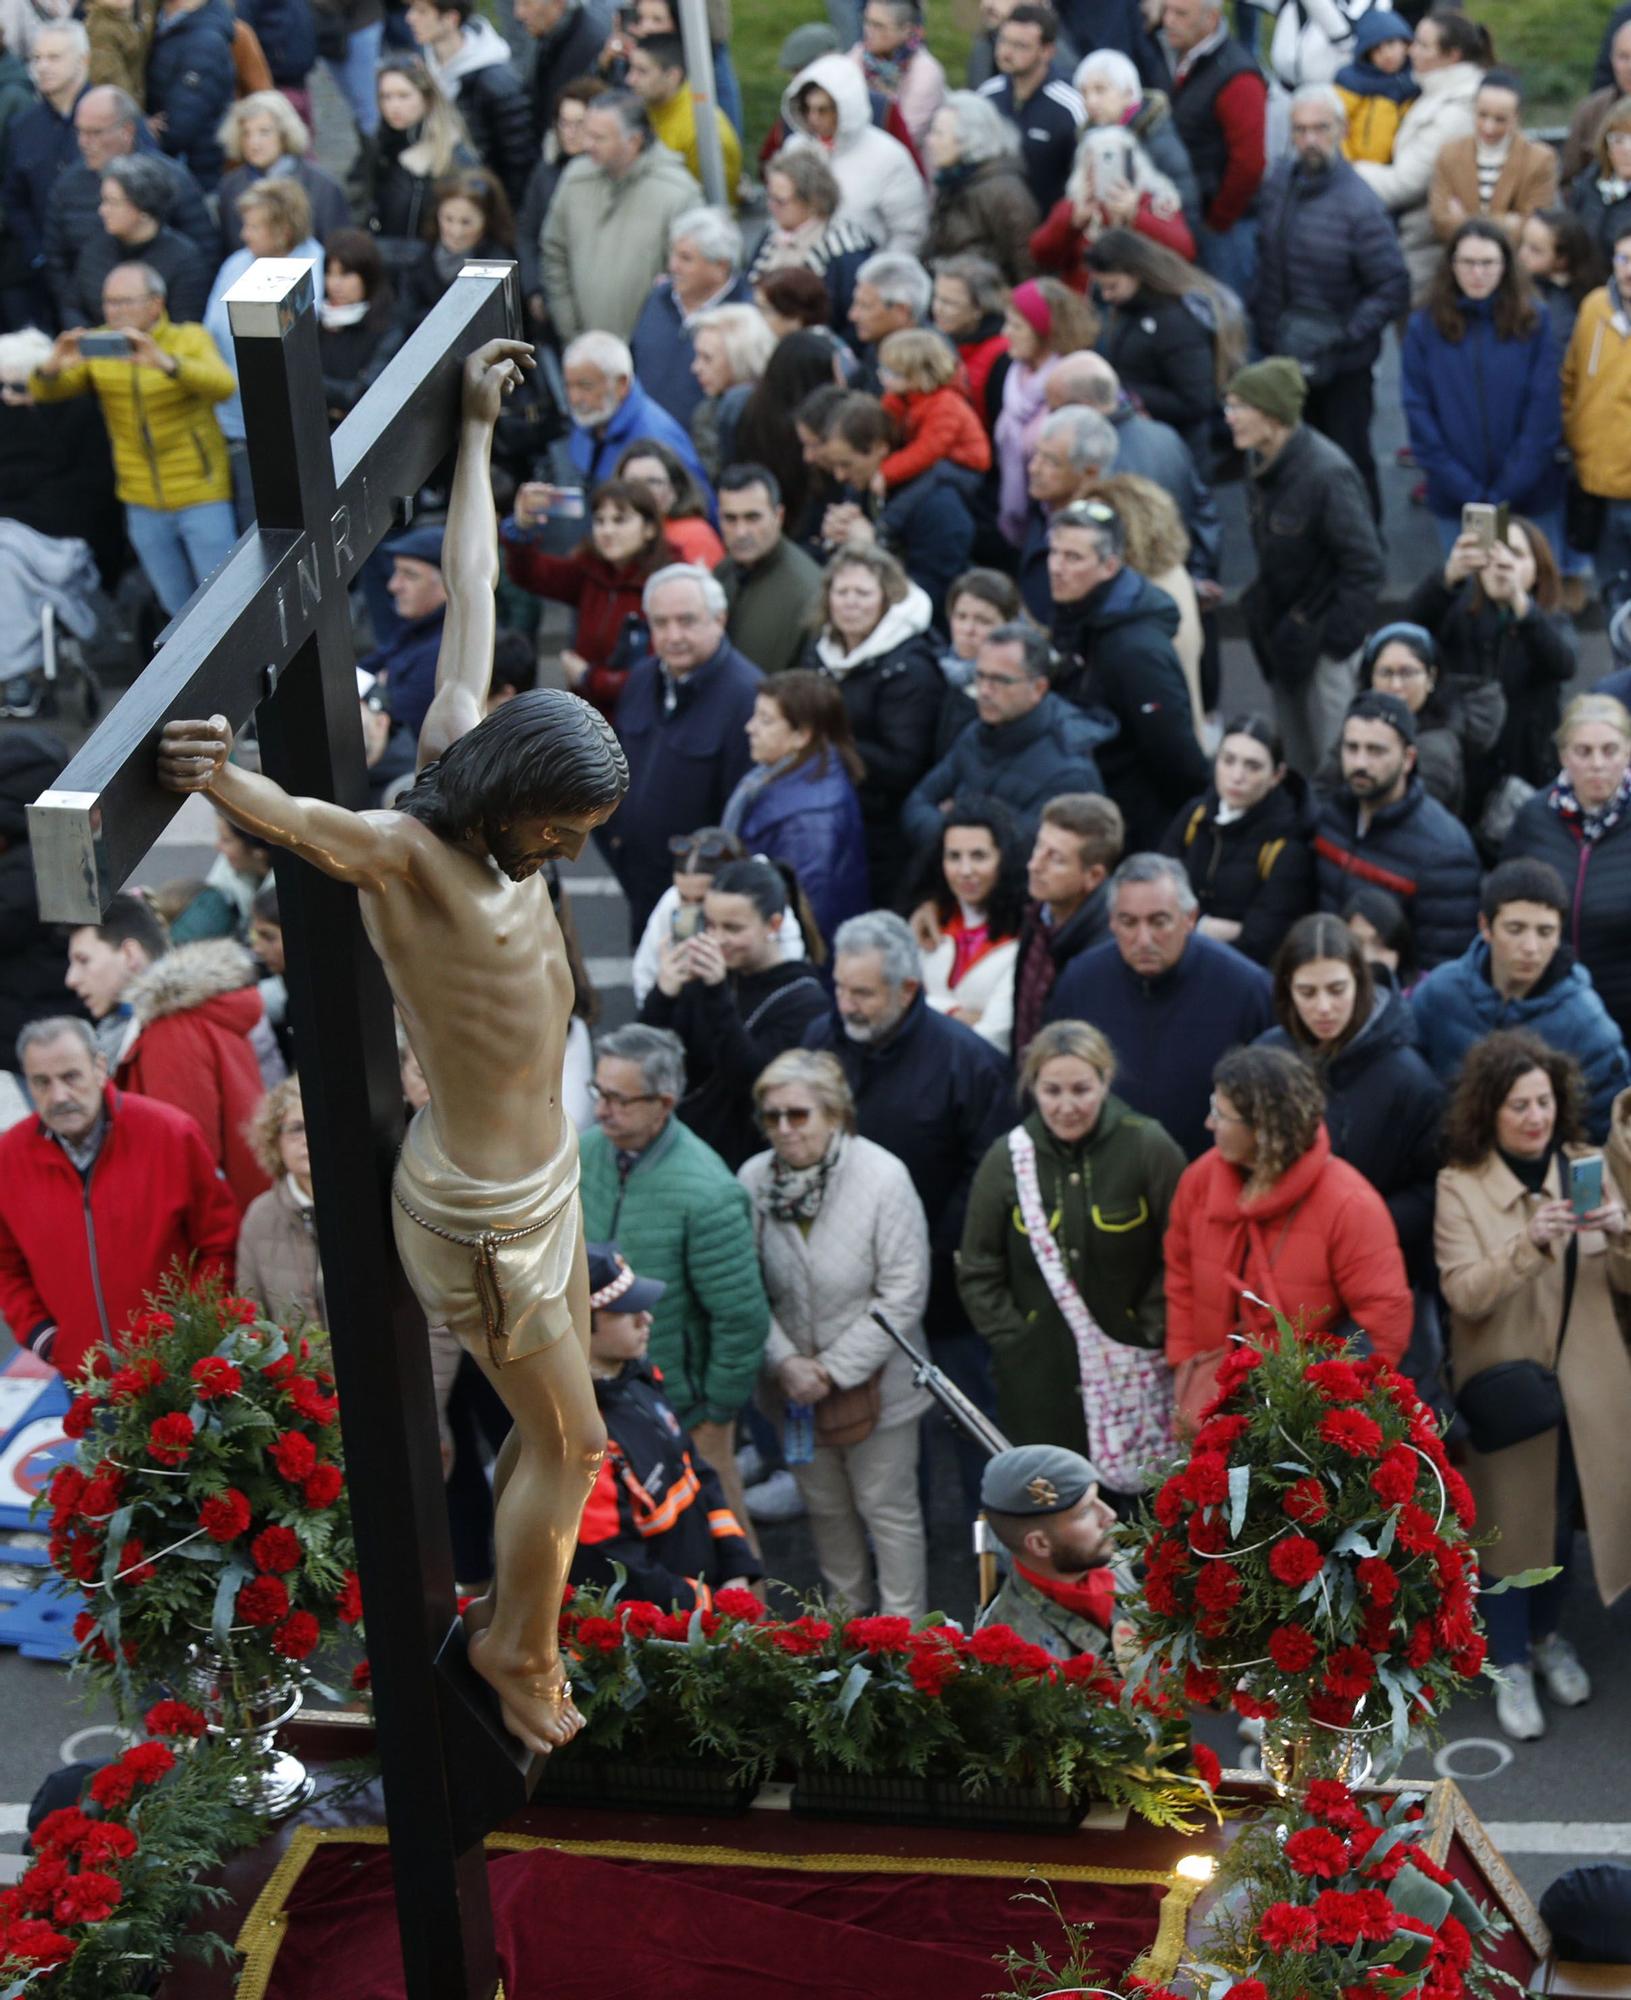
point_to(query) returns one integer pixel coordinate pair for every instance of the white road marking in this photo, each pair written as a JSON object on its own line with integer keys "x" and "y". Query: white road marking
{"x": 73, "y": 1747}
{"x": 13, "y": 1819}
{"x": 1560, "y": 1836}
{"x": 607, "y": 974}
{"x": 590, "y": 885}
{"x": 1491, "y": 1757}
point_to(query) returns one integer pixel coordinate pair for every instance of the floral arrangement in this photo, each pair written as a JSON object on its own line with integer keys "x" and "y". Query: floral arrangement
{"x": 115, "y": 1881}
{"x": 1329, "y": 1894}
{"x": 876, "y": 1695}
{"x": 1309, "y": 1559}
{"x": 206, "y": 1510}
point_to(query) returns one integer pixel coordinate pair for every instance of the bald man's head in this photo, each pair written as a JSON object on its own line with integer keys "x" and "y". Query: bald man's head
{"x": 1084, "y": 377}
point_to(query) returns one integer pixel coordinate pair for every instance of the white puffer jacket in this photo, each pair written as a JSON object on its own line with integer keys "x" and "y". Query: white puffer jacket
{"x": 883, "y": 191}
{"x": 867, "y": 1249}
{"x": 1443, "y": 112}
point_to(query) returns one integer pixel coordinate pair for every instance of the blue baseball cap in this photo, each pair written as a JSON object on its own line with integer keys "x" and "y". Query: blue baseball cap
{"x": 419, "y": 545}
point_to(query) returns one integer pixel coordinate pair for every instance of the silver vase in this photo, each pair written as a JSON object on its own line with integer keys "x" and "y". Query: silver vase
{"x": 1296, "y": 1753}
{"x": 250, "y": 1712}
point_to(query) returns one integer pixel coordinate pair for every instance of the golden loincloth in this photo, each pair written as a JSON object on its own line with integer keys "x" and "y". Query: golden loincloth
{"x": 491, "y": 1260}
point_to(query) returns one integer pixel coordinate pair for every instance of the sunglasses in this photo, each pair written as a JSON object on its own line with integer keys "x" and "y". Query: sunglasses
{"x": 794, "y": 1115}
{"x": 717, "y": 848}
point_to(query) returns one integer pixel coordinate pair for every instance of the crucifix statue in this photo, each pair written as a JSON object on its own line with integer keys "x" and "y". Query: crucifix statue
{"x": 443, "y": 898}
{"x": 486, "y": 1188}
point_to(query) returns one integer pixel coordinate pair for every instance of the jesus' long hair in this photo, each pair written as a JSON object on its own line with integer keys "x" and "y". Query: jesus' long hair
{"x": 540, "y": 753}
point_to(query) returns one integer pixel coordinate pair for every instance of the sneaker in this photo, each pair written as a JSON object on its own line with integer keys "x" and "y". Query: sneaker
{"x": 1249, "y": 1728}
{"x": 1558, "y": 1665}
{"x": 1516, "y": 1708}
{"x": 750, "y": 1465}
{"x": 776, "y": 1499}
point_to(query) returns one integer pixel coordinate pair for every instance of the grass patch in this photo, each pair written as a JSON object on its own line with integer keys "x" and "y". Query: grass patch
{"x": 1552, "y": 44}
{"x": 759, "y": 27}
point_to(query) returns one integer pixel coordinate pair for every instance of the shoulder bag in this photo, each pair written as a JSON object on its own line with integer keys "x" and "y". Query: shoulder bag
{"x": 1514, "y": 1401}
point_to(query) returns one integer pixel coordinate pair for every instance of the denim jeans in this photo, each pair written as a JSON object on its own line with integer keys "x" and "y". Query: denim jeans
{"x": 355, "y": 75}
{"x": 1612, "y": 556}
{"x": 1231, "y": 257}
{"x": 1516, "y": 1620}
{"x": 179, "y": 548}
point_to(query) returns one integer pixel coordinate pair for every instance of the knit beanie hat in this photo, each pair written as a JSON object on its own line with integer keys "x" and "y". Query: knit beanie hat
{"x": 1277, "y": 387}
{"x": 807, "y": 45}
{"x": 1030, "y": 302}
{"x": 1376, "y": 706}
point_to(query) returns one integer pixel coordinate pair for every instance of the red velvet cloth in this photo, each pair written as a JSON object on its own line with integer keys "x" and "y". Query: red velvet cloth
{"x": 576, "y": 1928}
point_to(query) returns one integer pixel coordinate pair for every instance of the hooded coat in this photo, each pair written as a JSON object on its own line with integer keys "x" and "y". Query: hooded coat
{"x": 882, "y": 190}
{"x": 1257, "y": 870}
{"x": 1023, "y": 763}
{"x": 1505, "y": 1296}
{"x": 1107, "y": 1201}
{"x": 192, "y": 1013}
{"x": 1319, "y": 1244}
{"x": 892, "y": 689}
{"x": 31, "y": 953}
{"x": 496, "y": 110}
{"x": 1414, "y": 849}
{"x": 1442, "y": 112}
{"x": 1382, "y": 1110}
{"x": 1117, "y": 657}
{"x": 1457, "y": 1005}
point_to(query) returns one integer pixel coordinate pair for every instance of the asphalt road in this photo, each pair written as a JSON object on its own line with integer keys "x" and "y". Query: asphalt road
{"x": 1550, "y": 1804}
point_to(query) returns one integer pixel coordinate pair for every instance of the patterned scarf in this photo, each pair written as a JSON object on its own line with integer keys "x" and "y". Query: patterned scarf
{"x": 795, "y": 1194}
{"x": 885, "y": 72}
{"x": 1589, "y": 826}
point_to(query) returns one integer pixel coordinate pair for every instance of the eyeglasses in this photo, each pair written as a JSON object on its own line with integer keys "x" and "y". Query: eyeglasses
{"x": 617, "y": 1100}
{"x": 1221, "y": 1117}
{"x": 714, "y": 847}
{"x": 792, "y": 1114}
{"x": 1405, "y": 670}
{"x": 1478, "y": 263}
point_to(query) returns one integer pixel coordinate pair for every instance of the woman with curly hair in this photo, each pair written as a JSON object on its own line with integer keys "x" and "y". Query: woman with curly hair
{"x": 277, "y": 1241}
{"x": 1270, "y": 1220}
{"x": 1529, "y": 1262}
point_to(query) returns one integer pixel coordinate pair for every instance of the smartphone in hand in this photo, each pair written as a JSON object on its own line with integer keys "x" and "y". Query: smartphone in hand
{"x": 1586, "y": 1184}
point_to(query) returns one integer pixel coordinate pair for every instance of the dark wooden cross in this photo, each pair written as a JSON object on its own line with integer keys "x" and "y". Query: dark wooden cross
{"x": 270, "y": 635}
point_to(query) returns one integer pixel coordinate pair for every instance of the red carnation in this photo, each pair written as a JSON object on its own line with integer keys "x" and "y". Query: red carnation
{"x": 32, "y": 1941}
{"x": 224, "y": 1516}
{"x": 297, "y": 1638}
{"x": 1316, "y": 1850}
{"x": 1207, "y": 1480}
{"x": 801, "y": 1635}
{"x": 81, "y": 1415}
{"x": 1257, "y": 1708}
{"x": 1247, "y": 1989}
{"x": 1293, "y": 1648}
{"x": 134, "y": 1379}
{"x": 1218, "y": 1588}
{"x": 1306, "y": 1502}
{"x": 889, "y": 1635}
{"x": 1460, "y": 1496}
{"x": 149, "y": 1325}
{"x": 362, "y": 1677}
{"x": 1419, "y": 1647}
{"x": 1346, "y": 1918}
{"x": 1330, "y": 1800}
{"x": 1208, "y": 1766}
{"x": 1353, "y": 1432}
{"x": 169, "y": 1439}
{"x": 1217, "y": 1434}
{"x": 106, "y": 1841}
{"x": 294, "y": 1455}
{"x": 1336, "y": 1381}
{"x": 1335, "y": 1710}
{"x": 276, "y": 1550}
{"x": 174, "y": 1718}
{"x": 1417, "y": 1531}
{"x": 245, "y": 1311}
{"x": 1286, "y": 1927}
{"x": 62, "y": 1829}
{"x": 1295, "y": 1560}
{"x": 102, "y": 1494}
{"x": 263, "y": 1601}
{"x": 1394, "y": 1480}
{"x": 1468, "y": 1660}
{"x": 1377, "y": 1579}
{"x": 90, "y": 1897}
{"x": 740, "y": 1604}
{"x": 930, "y": 1671}
{"x": 1170, "y": 1501}
{"x": 131, "y": 1568}
{"x": 66, "y": 1491}
{"x": 213, "y": 1378}
{"x": 310, "y": 1401}
{"x": 1202, "y": 1685}
{"x": 349, "y": 1601}
{"x": 322, "y": 1487}
{"x": 1209, "y": 1533}
{"x": 1349, "y": 1672}
{"x": 144, "y": 1764}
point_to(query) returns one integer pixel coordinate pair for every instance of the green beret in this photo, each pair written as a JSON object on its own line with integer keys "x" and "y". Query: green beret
{"x": 1036, "y": 1479}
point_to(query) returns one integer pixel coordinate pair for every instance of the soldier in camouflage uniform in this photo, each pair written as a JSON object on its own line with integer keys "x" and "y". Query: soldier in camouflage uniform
{"x": 1060, "y": 1591}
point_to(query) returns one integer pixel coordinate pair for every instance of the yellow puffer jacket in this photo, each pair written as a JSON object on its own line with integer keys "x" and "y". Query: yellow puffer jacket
{"x": 1373, "y": 125}
{"x": 168, "y": 451}
{"x": 1597, "y": 400}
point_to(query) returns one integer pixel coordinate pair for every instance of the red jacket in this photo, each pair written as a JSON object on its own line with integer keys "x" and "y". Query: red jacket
{"x": 1320, "y": 1238}
{"x": 980, "y": 364}
{"x": 81, "y": 1255}
{"x": 937, "y": 424}
{"x": 604, "y": 597}
{"x": 194, "y": 1011}
{"x": 1058, "y": 245}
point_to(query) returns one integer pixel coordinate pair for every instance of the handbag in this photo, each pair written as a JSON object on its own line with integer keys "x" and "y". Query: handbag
{"x": 1513, "y": 1401}
{"x": 850, "y": 1416}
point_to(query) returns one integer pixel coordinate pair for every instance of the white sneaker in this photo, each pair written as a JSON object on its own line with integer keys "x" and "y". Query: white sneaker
{"x": 750, "y": 1465}
{"x": 1516, "y": 1708}
{"x": 776, "y": 1499}
{"x": 1558, "y": 1665}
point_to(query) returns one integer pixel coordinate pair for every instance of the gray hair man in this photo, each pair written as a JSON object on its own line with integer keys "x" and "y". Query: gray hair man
{"x": 1074, "y": 447}
{"x": 610, "y": 408}
{"x": 892, "y": 293}
{"x": 704, "y": 266}
{"x": 930, "y": 1091}
{"x": 681, "y": 1216}
{"x": 1170, "y": 999}
{"x": 682, "y": 719}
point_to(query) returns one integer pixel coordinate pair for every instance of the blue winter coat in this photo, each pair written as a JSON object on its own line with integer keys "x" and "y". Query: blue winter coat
{"x": 408, "y": 662}
{"x": 191, "y": 80}
{"x": 1485, "y": 415}
{"x": 684, "y": 763}
{"x": 287, "y": 33}
{"x": 663, "y": 347}
{"x": 1418, "y": 851}
{"x": 1023, "y": 763}
{"x": 811, "y": 819}
{"x": 1457, "y": 1005}
{"x": 40, "y": 143}
{"x": 928, "y": 526}
{"x": 639, "y": 415}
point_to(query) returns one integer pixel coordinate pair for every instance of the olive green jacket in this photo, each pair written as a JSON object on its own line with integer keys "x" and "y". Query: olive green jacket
{"x": 1107, "y": 1203}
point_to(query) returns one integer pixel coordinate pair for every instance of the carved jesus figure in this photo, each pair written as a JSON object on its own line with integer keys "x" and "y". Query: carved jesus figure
{"x": 486, "y": 1189}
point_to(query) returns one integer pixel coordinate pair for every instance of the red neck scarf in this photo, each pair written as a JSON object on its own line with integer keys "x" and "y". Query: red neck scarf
{"x": 1092, "y": 1597}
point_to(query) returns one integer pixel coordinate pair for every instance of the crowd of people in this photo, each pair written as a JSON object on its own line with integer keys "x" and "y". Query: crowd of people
{"x": 989, "y": 972}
